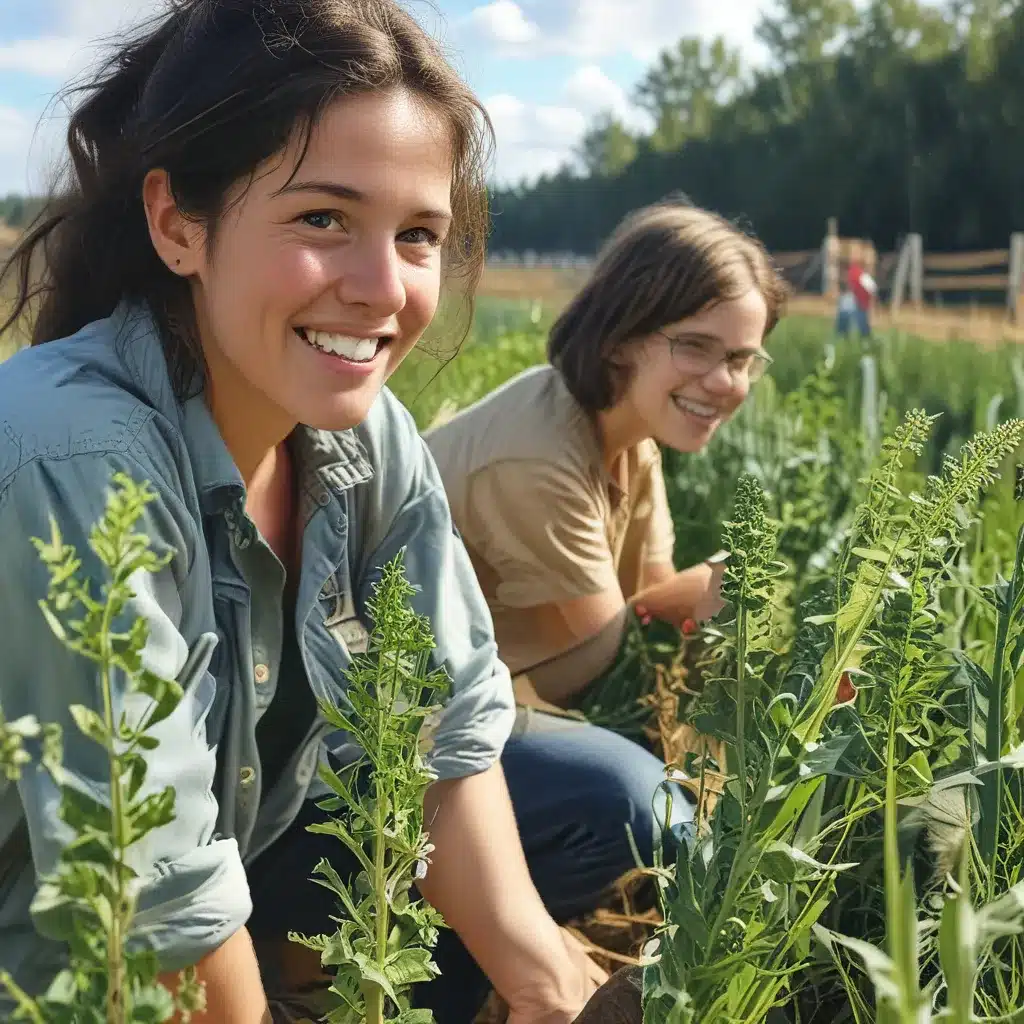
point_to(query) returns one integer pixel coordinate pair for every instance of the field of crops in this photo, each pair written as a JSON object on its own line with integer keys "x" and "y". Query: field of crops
{"x": 861, "y": 843}
{"x": 857, "y": 706}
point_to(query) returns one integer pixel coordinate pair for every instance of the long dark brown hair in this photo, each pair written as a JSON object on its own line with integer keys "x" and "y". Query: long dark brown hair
{"x": 209, "y": 91}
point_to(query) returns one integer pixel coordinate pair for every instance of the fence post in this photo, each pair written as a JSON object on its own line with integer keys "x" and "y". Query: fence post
{"x": 916, "y": 270}
{"x": 899, "y": 279}
{"x": 830, "y": 260}
{"x": 1014, "y": 296}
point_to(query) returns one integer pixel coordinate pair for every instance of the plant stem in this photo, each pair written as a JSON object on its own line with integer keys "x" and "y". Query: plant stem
{"x": 992, "y": 791}
{"x": 386, "y": 689}
{"x": 741, "y": 709}
{"x": 373, "y": 993}
{"x": 116, "y": 987}
{"x": 893, "y": 870}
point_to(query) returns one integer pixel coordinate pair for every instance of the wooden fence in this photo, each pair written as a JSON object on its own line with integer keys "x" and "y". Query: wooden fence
{"x": 906, "y": 277}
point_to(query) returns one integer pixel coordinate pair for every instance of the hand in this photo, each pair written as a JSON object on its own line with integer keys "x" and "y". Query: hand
{"x": 561, "y": 1003}
{"x": 710, "y": 602}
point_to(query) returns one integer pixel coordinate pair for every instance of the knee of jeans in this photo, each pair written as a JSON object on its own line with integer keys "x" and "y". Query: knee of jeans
{"x": 662, "y": 814}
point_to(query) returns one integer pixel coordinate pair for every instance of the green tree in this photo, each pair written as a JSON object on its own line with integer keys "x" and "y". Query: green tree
{"x": 685, "y": 89}
{"x": 907, "y": 118}
{"x": 799, "y": 32}
{"x": 607, "y": 148}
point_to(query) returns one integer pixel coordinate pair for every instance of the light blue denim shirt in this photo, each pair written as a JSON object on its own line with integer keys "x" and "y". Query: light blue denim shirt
{"x": 74, "y": 411}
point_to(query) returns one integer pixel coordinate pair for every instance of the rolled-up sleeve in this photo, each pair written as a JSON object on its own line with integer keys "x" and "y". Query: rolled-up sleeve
{"x": 413, "y": 515}
{"x": 193, "y": 892}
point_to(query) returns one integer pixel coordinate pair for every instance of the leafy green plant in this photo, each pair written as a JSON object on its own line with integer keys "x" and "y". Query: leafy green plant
{"x": 94, "y": 888}
{"x": 738, "y": 909}
{"x": 382, "y": 944}
{"x": 854, "y": 719}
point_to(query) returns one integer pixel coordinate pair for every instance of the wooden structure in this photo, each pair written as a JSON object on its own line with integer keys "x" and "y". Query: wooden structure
{"x": 836, "y": 255}
{"x": 920, "y": 275}
{"x": 908, "y": 279}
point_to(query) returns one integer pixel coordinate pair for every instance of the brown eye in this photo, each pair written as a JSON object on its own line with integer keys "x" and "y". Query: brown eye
{"x": 427, "y": 237}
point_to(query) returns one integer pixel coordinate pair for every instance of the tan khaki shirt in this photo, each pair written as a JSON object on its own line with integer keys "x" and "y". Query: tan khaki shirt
{"x": 541, "y": 517}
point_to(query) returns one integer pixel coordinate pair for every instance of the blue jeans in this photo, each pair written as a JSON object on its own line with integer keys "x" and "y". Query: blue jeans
{"x": 574, "y": 788}
{"x": 855, "y": 318}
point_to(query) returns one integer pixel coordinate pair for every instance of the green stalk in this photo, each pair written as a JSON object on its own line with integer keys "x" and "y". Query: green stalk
{"x": 741, "y": 706}
{"x": 373, "y": 993}
{"x": 734, "y": 884}
{"x": 766, "y": 995}
{"x": 116, "y": 1010}
{"x": 892, "y": 870}
{"x": 992, "y": 790}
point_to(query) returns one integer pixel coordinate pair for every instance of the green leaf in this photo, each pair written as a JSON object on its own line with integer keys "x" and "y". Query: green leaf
{"x": 873, "y": 555}
{"x": 56, "y": 626}
{"x": 410, "y": 966}
{"x": 784, "y": 863}
{"x": 958, "y": 950}
{"x": 370, "y": 972}
{"x": 90, "y": 724}
{"x": 82, "y": 813}
{"x": 152, "y": 812}
{"x": 165, "y": 693}
{"x": 877, "y": 964}
{"x": 136, "y": 768}
{"x": 414, "y": 1016}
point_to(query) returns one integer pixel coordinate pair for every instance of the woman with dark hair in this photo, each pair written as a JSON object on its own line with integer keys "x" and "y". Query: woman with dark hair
{"x": 261, "y": 203}
{"x": 555, "y": 479}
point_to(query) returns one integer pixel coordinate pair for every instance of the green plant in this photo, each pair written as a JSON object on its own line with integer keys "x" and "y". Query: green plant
{"x": 382, "y": 944}
{"x": 738, "y": 909}
{"x": 814, "y": 759}
{"x": 94, "y": 887}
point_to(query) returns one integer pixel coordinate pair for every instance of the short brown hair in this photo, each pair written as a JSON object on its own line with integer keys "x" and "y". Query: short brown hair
{"x": 662, "y": 264}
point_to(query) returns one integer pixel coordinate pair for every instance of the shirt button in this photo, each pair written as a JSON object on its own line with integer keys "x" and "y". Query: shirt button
{"x": 247, "y": 776}
{"x": 262, "y": 673}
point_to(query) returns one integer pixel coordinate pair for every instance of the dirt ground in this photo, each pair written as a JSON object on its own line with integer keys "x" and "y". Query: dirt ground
{"x": 982, "y": 325}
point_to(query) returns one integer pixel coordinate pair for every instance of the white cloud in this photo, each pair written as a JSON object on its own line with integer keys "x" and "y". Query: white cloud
{"x": 28, "y": 147}
{"x": 592, "y": 29}
{"x": 503, "y": 22}
{"x": 533, "y": 139}
{"x": 592, "y": 92}
{"x": 81, "y": 32}
{"x": 49, "y": 56}
{"x": 98, "y": 19}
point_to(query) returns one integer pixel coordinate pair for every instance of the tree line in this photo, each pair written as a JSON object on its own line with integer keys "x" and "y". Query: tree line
{"x": 16, "y": 211}
{"x": 893, "y": 116}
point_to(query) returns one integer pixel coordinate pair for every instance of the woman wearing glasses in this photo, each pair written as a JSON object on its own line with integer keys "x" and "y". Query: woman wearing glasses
{"x": 555, "y": 485}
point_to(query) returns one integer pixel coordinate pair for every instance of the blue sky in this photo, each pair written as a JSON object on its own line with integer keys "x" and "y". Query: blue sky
{"x": 542, "y": 67}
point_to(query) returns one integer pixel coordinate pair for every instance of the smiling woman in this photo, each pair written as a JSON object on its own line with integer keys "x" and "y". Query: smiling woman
{"x": 564, "y": 510}
{"x": 259, "y": 206}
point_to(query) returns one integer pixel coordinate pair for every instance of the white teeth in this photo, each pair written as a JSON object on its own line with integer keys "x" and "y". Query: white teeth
{"x": 704, "y": 411}
{"x": 358, "y": 350}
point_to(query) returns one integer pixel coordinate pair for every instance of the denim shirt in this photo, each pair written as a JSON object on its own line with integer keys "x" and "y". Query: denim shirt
{"x": 74, "y": 411}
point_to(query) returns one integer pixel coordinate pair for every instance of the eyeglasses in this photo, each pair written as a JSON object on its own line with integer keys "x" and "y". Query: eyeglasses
{"x": 699, "y": 357}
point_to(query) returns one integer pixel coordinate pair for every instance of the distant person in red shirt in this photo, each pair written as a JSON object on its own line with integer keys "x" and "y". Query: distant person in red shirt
{"x": 855, "y": 301}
